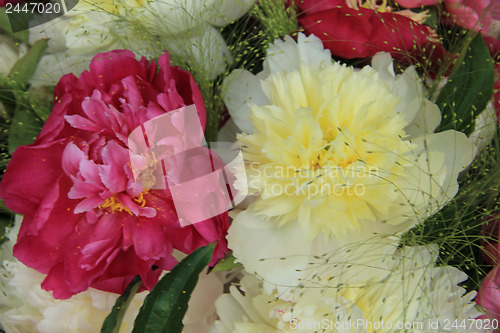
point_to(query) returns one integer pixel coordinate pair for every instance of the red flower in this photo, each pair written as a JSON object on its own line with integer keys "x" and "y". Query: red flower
{"x": 359, "y": 33}
{"x": 87, "y": 223}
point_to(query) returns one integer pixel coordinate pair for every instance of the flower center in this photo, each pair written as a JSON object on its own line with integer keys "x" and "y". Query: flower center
{"x": 115, "y": 205}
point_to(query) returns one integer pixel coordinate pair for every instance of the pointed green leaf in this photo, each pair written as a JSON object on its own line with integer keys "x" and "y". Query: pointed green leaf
{"x": 469, "y": 88}
{"x": 165, "y": 306}
{"x": 24, "y": 68}
{"x": 113, "y": 321}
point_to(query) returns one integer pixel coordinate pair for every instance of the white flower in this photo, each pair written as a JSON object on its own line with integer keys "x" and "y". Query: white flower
{"x": 25, "y": 307}
{"x": 336, "y": 150}
{"x": 282, "y": 256}
{"x": 201, "y": 312}
{"x": 412, "y": 291}
{"x": 242, "y": 88}
{"x": 145, "y": 27}
{"x": 336, "y": 157}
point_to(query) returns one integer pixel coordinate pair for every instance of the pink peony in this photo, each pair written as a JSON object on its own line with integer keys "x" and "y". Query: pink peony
{"x": 87, "y": 223}
{"x": 489, "y": 294}
{"x": 471, "y": 14}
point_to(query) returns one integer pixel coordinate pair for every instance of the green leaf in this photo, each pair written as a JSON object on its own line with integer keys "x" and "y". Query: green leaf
{"x": 23, "y": 70}
{"x": 19, "y": 21}
{"x": 469, "y": 88}
{"x": 113, "y": 321}
{"x": 226, "y": 264}
{"x": 23, "y": 129}
{"x": 165, "y": 306}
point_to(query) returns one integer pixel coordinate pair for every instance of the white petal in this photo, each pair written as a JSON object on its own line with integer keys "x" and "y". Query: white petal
{"x": 203, "y": 46}
{"x": 223, "y": 12}
{"x": 458, "y": 152}
{"x": 382, "y": 63}
{"x": 429, "y": 181}
{"x": 422, "y": 115}
{"x": 288, "y": 55}
{"x": 283, "y": 256}
{"x": 201, "y": 309}
{"x": 426, "y": 120}
{"x": 260, "y": 245}
{"x": 240, "y": 88}
{"x": 171, "y": 17}
{"x": 229, "y": 311}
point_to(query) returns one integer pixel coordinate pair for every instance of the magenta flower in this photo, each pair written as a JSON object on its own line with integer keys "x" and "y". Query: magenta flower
{"x": 87, "y": 222}
{"x": 489, "y": 294}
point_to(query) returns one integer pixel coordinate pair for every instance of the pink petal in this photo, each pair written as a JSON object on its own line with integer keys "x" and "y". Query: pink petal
{"x": 149, "y": 240}
{"x": 79, "y": 122}
{"x": 88, "y": 204}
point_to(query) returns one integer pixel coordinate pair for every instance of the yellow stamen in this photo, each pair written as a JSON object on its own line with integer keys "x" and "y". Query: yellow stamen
{"x": 140, "y": 200}
{"x": 116, "y": 206}
{"x": 369, "y": 4}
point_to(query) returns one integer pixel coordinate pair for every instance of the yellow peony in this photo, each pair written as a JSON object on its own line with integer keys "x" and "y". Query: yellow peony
{"x": 338, "y": 149}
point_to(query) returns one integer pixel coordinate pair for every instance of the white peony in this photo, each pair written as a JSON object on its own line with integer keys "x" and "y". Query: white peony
{"x": 185, "y": 28}
{"x": 25, "y": 307}
{"x": 335, "y": 156}
{"x": 412, "y": 292}
{"x": 283, "y": 256}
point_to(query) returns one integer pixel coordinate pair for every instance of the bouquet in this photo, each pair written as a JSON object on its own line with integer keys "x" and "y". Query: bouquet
{"x": 220, "y": 166}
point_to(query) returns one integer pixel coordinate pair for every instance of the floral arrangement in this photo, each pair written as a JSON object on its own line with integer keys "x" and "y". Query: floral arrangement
{"x": 250, "y": 166}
